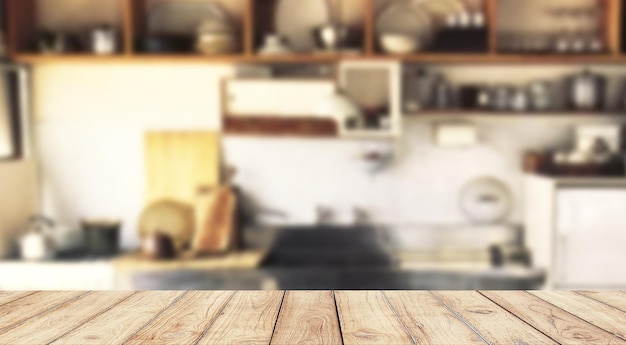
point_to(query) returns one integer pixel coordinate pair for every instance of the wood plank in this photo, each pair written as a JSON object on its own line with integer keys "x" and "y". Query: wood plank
{"x": 16, "y": 312}
{"x": 178, "y": 163}
{"x": 428, "y": 320}
{"x": 307, "y": 317}
{"x": 616, "y": 299}
{"x": 366, "y": 318}
{"x": 559, "y": 324}
{"x": 10, "y": 296}
{"x": 248, "y": 318}
{"x": 277, "y": 126}
{"x": 123, "y": 320}
{"x": 597, "y": 313}
{"x": 493, "y": 323}
{"x": 56, "y": 323}
{"x": 185, "y": 321}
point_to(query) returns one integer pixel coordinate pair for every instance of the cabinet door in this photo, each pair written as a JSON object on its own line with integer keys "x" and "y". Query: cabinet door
{"x": 590, "y": 237}
{"x": 591, "y": 210}
{"x": 271, "y": 98}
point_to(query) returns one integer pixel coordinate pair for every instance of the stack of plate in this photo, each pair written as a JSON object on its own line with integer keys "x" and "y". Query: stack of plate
{"x": 407, "y": 26}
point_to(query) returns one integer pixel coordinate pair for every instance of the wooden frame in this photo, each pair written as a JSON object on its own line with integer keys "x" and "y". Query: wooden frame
{"x": 395, "y": 95}
{"x": 22, "y": 26}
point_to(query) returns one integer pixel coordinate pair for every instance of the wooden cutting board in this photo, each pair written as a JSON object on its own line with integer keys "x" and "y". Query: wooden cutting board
{"x": 215, "y": 220}
{"x": 178, "y": 163}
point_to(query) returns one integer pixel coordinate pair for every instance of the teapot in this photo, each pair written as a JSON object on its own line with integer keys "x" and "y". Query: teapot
{"x": 37, "y": 244}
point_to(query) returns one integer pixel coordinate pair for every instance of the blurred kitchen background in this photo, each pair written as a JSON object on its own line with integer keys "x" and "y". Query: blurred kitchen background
{"x": 312, "y": 144}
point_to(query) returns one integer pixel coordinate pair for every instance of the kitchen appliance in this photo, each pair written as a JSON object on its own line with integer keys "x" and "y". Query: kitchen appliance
{"x": 103, "y": 40}
{"x": 37, "y": 243}
{"x": 157, "y": 246}
{"x": 101, "y": 237}
{"x": 585, "y": 91}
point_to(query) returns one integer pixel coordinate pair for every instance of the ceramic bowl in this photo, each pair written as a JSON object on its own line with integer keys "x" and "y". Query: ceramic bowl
{"x": 398, "y": 44}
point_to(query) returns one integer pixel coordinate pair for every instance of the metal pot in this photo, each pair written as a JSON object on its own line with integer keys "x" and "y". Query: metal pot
{"x": 585, "y": 91}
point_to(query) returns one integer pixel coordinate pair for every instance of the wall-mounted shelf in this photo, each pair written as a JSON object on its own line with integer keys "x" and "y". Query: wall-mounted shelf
{"x": 128, "y": 17}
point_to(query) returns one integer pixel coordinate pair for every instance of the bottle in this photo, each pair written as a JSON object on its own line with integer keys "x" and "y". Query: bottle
{"x": 442, "y": 93}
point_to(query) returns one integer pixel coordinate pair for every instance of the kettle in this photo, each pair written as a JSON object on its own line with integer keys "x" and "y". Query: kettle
{"x": 37, "y": 244}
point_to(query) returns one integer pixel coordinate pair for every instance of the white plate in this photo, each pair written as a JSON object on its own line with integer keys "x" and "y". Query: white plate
{"x": 405, "y": 18}
{"x": 296, "y": 19}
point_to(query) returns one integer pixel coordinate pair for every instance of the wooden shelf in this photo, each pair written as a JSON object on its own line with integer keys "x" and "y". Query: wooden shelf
{"x": 493, "y": 59}
{"x": 25, "y": 18}
{"x": 513, "y": 114}
{"x": 281, "y": 127}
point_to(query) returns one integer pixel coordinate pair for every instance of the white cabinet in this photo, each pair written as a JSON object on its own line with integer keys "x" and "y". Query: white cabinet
{"x": 576, "y": 229}
{"x": 276, "y": 98}
{"x": 95, "y": 275}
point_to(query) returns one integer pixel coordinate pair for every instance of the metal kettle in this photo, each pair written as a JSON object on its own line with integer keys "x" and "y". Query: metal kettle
{"x": 37, "y": 243}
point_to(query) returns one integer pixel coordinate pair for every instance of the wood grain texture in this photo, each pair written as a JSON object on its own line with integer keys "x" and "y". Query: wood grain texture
{"x": 597, "y": 313}
{"x": 428, "y": 320}
{"x": 68, "y": 316}
{"x": 307, "y": 317}
{"x": 10, "y": 296}
{"x": 366, "y": 318}
{"x": 616, "y": 299}
{"x": 493, "y": 323}
{"x": 549, "y": 319}
{"x": 248, "y": 318}
{"x": 215, "y": 220}
{"x": 185, "y": 321}
{"x": 123, "y": 320}
{"x": 16, "y": 312}
{"x": 234, "y": 260}
{"x": 178, "y": 163}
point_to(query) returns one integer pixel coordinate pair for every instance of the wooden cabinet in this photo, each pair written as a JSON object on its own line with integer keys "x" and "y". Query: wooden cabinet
{"x": 254, "y": 19}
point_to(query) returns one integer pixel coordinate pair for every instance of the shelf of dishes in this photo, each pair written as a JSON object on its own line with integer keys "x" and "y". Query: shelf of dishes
{"x": 315, "y": 30}
{"x": 582, "y": 92}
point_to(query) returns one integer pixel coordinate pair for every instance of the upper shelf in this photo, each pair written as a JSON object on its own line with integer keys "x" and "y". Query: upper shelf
{"x": 255, "y": 19}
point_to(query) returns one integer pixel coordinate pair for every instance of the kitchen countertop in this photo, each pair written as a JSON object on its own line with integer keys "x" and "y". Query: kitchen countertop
{"x": 235, "y": 260}
{"x": 315, "y": 317}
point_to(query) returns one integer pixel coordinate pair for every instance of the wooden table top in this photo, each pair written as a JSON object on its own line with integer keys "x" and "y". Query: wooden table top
{"x": 313, "y": 317}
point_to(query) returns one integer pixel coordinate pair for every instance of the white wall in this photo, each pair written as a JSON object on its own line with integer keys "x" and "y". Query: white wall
{"x": 91, "y": 120}
{"x": 90, "y": 125}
